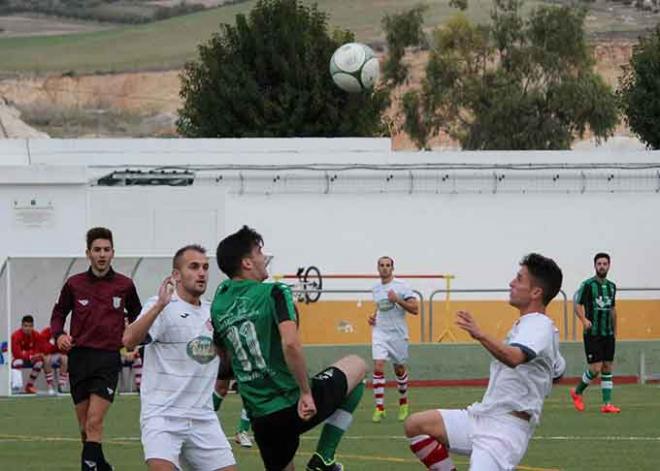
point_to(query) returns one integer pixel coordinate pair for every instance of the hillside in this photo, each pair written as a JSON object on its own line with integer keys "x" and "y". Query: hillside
{"x": 168, "y": 44}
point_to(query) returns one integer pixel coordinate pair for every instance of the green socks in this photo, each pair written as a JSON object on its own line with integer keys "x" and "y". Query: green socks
{"x": 606, "y": 385}
{"x": 243, "y": 422}
{"x": 337, "y": 424}
{"x": 587, "y": 377}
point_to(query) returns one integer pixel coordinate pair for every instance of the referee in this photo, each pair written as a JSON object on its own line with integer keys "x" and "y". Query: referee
{"x": 99, "y": 300}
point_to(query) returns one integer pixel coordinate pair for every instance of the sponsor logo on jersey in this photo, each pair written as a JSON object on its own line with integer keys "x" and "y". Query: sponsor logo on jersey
{"x": 83, "y": 302}
{"x": 603, "y": 302}
{"x": 201, "y": 349}
{"x": 184, "y": 315}
{"x": 110, "y": 391}
{"x": 116, "y": 302}
{"x": 385, "y": 305}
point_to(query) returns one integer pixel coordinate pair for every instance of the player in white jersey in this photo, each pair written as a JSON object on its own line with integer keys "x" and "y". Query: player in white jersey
{"x": 179, "y": 426}
{"x": 496, "y": 431}
{"x": 389, "y": 336}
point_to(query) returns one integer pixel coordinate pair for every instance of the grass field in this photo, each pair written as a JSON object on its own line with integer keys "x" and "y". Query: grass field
{"x": 170, "y": 43}
{"x": 40, "y": 433}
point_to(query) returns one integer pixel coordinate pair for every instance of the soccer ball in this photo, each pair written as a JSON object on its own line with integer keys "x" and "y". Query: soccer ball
{"x": 354, "y": 67}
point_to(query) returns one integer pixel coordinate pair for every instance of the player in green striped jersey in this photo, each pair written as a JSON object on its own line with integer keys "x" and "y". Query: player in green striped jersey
{"x": 255, "y": 325}
{"x": 596, "y": 309}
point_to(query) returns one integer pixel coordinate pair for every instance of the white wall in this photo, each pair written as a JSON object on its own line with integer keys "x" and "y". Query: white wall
{"x": 479, "y": 237}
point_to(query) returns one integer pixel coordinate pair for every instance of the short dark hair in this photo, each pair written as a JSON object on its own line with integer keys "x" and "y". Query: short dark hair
{"x": 387, "y": 257}
{"x": 98, "y": 233}
{"x": 27, "y": 318}
{"x": 601, "y": 255}
{"x": 179, "y": 253}
{"x": 235, "y": 247}
{"x": 545, "y": 273}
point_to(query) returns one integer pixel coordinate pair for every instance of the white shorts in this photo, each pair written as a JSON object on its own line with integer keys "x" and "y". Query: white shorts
{"x": 493, "y": 443}
{"x": 197, "y": 444}
{"x": 394, "y": 349}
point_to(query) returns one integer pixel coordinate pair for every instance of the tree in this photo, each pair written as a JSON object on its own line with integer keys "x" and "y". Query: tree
{"x": 401, "y": 30}
{"x": 639, "y": 90}
{"x": 513, "y": 84}
{"x": 268, "y": 76}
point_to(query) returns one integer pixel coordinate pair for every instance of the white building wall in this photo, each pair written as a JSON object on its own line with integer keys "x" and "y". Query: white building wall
{"x": 479, "y": 237}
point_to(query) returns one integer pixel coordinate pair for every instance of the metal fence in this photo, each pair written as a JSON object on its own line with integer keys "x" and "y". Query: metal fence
{"x": 483, "y": 290}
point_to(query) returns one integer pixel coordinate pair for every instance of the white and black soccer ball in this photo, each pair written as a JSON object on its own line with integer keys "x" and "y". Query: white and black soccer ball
{"x": 354, "y": 67}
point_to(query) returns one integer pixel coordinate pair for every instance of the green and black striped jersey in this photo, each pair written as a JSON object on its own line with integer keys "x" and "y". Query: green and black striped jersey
{"x": 598, "y": 299}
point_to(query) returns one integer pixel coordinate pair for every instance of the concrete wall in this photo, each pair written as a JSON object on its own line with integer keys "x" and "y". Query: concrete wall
{"x": 339, "y": 204}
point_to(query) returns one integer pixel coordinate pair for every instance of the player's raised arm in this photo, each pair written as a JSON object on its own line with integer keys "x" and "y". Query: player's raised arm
{"x": 510, "y": 355}
{"x": 136, "y": 332}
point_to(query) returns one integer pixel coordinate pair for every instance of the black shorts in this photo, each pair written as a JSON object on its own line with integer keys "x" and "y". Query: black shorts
{"x": 277, "y": 434}
{"x": 599, "y": 348}
{"x": 93, "y": 371}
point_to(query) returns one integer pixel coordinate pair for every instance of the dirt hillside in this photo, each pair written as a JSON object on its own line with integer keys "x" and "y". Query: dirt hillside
{"x": 157, "y": 92}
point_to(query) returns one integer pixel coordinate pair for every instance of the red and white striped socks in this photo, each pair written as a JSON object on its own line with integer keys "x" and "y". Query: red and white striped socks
{"x": 402, "y": 385}
{"x": 379, "y": 390}
{"x": 137, "y": 371}
{"x": 63, "y": 379}
{"x": 36, "y": 369}
{"x": 432, "y": 453}
{"x": 50, "y": 378}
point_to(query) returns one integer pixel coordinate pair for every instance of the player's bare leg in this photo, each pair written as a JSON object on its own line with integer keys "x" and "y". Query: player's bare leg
{"x": 379, "y": 390}
{"x": 63, "y": 375}
{"x": 401, "y": 373}
{"x": 156, "y": 464}
{"x": 427, "y": 435}
{"x": 81, "y": 415}
{"x": 92, "y": 451}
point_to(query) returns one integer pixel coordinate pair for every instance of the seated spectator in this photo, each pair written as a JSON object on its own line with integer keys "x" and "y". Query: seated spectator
{"x": 26, "y": 348}
{"x": 54, "y": 358}
{"x": 133, "y": 359}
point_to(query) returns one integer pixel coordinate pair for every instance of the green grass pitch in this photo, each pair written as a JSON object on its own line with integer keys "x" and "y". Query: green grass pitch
{"x": 41, "y": 434}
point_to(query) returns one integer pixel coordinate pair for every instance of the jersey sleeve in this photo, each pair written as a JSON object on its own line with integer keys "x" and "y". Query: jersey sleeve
{"x": 532, "y": 337}
{"x": 583, "y": 294}
{"x": 154, "y": 330}
{"x": 406, "y": 291}
{"x": 61, "y": 310}
{"x": 283, "y": 301}
{"x": 133, "y": 304}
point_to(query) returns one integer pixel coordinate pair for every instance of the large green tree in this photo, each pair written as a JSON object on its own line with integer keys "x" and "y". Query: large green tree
{"x": 268, "y": 76}
{"x": 516, "y": 83}
{"x": 639, "y": 90}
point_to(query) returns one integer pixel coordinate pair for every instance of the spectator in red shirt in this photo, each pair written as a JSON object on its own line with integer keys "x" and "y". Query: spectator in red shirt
{"x": 52, "y": 357}
{"x": 27, "y": 351}
{"x": 98, "y": 301}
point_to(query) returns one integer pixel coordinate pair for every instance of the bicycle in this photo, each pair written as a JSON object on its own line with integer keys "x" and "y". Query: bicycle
{"x": 308, "y": 285}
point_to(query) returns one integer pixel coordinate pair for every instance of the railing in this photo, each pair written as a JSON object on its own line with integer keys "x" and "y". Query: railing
{"x": 422, "y": 314}
{"x": 449, "y": 333}
{"x": 618, "y": 290}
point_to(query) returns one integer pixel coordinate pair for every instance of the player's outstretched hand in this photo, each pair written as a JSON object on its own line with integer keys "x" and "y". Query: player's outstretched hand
{"x": 64, "y": 342}
{"x": 165, "y": 291}
{"x": 466, "y": 322}
{"x": 372, "y": 319}
{"x": 306, "y": 406}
